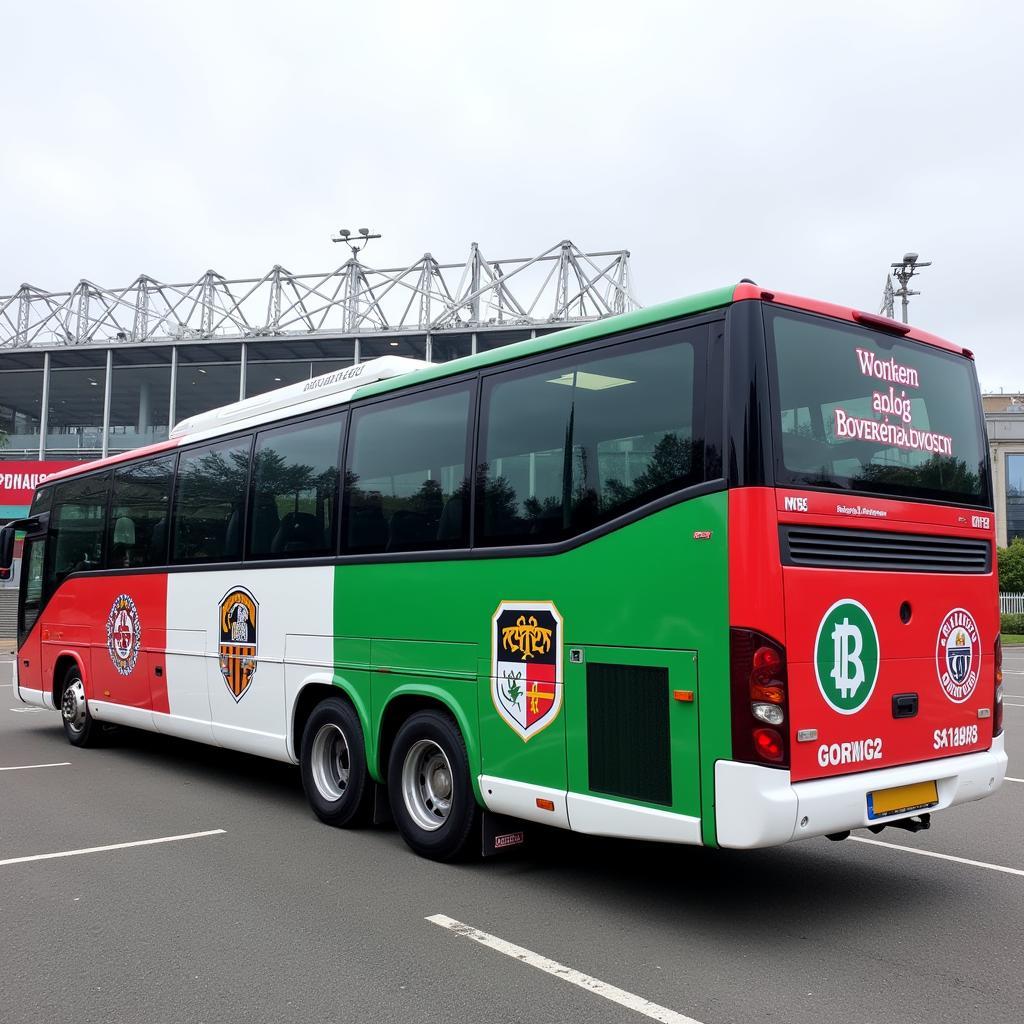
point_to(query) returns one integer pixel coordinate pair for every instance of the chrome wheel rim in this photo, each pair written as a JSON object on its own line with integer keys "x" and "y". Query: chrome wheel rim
{"x": 427, "y": 785}
{"x": 72, "y": 707}
{"x": 331, "y": 762}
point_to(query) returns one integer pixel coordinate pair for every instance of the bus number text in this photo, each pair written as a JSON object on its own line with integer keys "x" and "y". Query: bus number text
{"x": 958, "y": 736}
{"x": 850, "y": 753}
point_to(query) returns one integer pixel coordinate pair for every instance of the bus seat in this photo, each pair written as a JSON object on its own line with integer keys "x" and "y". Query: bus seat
{"x": 266, "y": 524}
{"x": 367, "y": 527}
{"x": 298, "y": 532}
{"x": 408, "y": 529}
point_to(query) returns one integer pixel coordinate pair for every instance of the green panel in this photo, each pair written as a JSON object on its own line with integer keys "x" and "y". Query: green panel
{"x": 352, "y": 651}
{"x": 649, "y": 585}
{"x": 423, "y": 657}
{"x": 679, "y": 672}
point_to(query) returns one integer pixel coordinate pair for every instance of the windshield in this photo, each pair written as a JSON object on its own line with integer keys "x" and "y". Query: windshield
{"x": 862, "y": 410}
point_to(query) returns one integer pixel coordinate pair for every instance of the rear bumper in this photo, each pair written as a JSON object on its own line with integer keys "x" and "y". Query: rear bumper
{"x": 756, "y": 806}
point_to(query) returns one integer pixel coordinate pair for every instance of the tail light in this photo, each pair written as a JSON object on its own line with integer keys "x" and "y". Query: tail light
{"x": 997, "y": 700}
{"x": 760, "y": 698}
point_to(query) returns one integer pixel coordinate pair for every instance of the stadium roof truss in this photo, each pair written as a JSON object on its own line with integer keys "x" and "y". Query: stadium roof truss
{"x": 562, "y": 285}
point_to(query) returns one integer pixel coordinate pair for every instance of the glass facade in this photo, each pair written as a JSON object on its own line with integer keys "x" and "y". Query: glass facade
{"x": 1014, "y": 497}
{"x": 101, "y": 400}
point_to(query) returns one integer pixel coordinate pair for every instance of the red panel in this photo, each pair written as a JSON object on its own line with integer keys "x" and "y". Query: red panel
{"x": 118, "y": 666}
{"x": 755, "y": 569}
{"x": 751, "y": 291}
{"x": 113, "y": 460}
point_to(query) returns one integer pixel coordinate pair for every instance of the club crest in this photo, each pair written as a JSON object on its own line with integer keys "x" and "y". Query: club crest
{"x": 124, "y": 634}
{"x": 958, "y": 655}
{"x": 526, "y": 665}
{"x": 239, "y": 621}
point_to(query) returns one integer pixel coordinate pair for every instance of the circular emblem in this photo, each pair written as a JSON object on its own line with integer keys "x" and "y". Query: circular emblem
{"x": 846, "y": 656}
{"x": 958, "y": 655}
{"x": 124, "y": 634}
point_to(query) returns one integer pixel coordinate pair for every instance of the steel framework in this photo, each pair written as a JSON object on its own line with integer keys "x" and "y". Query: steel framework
{"x": 561, "y": 285}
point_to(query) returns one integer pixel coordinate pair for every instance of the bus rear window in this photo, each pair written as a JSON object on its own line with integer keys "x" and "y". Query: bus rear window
{"x": 861, "y": 410}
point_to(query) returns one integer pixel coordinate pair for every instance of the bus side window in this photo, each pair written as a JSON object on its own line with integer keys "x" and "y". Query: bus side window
{"x": 295, "y": 490}
{"x": 76, "y": 528}
{"x": 406, "y": 486}
{"x": 209, "y": 502}
{"x": 137, "y": 530}
{"x": 570, "y": 443}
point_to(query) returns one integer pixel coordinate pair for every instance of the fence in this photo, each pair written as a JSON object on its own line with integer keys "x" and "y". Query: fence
{"x": 1011, "y": 604}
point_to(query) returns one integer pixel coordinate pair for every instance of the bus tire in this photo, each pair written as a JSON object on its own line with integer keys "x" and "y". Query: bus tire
{"x": 80, "y": 728}
{"x": 333, "y": 765}
{"x": 429, "y": 788}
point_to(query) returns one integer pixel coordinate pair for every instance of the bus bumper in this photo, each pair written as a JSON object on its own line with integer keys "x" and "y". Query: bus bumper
{"x": 757, "y": 806}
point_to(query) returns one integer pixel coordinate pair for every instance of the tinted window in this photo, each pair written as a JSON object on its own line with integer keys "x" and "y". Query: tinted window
{"x": 295, "y": 488}
{"x": 209, "y": 502}
{"x": 41, "y": 501}
{"x": 405, "y": 481}
{"x": 139, "y": 513}
{"x": 574, "y": 442}
{"x": 868, "y": 411}
{"x": 77, "y": 523}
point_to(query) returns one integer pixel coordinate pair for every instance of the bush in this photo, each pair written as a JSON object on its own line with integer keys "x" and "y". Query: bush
{"x": 1011, "y": 567}
{"x": 1011, "y": 624}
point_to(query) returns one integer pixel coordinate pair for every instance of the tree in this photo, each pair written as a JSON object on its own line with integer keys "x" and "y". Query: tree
{"x": 1011, "y": 567}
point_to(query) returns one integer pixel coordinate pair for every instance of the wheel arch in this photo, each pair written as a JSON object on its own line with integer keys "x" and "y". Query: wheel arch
{"x": 65, "y": 660}
{"x": 406, "y": 701}
{"x": 316, "y": 687}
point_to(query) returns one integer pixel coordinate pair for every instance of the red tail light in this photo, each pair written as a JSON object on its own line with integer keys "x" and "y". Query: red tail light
{"x": 760, "y": 700}
{"x": 997, "y": 700}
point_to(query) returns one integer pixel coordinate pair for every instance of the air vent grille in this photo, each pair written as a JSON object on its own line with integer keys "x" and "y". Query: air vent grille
{"x": 837, "y": 548}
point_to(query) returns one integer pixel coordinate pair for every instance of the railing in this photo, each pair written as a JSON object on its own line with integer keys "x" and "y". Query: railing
{"x": 1011, "y": 604}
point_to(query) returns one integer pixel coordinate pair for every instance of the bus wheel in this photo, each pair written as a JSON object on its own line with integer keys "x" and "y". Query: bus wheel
{"x": 333, "y": 765}
{"x": 431, "y": 797}
{"x": 81, "y": 729}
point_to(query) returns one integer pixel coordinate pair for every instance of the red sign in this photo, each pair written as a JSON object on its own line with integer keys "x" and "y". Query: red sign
{"x": 18, "y": 480}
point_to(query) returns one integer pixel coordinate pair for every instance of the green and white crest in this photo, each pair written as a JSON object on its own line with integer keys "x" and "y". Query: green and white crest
{"x": 846, "y": 656}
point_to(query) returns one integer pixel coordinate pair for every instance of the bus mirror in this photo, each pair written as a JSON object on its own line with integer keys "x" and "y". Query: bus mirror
{"x": 7, "y": 535}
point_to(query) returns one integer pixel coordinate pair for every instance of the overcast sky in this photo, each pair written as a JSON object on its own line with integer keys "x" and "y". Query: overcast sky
{"x": 806, "y": 145}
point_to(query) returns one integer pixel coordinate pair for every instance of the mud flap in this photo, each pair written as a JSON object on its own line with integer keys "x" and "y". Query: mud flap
{"x": 499, "y": 834}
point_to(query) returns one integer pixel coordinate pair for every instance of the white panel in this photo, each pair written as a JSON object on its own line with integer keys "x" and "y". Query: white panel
{"x": 519, "y": 800}
{"x": 37, "y": 698}
{"x": 185, "y": 664}
{"x": 121, "y": 714}
{"x": 293, "y": 600}
{"x": 600, "y": 817}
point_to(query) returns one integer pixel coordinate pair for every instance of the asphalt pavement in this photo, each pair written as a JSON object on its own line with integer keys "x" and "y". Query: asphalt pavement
{"x": 251, "y": 910}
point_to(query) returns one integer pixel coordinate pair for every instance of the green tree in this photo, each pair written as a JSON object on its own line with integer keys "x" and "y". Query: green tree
{"x": 1011, "y": 567}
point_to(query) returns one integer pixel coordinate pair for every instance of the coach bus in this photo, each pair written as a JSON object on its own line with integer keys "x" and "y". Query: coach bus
{"x": 718, "y": 571}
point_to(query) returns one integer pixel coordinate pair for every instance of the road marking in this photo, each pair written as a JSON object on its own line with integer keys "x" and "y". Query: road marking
{"x": 542, "y": 963}
{"x": 1010, "y": 778}
{"x": 25, "y": 711}
{"x": 22, "y": 767}
{"x": 1010, "y": 704}
{"x": 115, "y": 846}
{"x": 940, "y": 856}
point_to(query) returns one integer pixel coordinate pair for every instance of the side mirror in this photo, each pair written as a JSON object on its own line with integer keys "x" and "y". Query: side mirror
{"x": 7, "y": 534}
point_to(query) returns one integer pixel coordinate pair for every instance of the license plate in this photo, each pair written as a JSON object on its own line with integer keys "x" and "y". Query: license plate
{"x": 902, "y": 799}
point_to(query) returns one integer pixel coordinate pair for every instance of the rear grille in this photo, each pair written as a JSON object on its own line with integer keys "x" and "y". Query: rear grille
{"x": 836, "y": 548}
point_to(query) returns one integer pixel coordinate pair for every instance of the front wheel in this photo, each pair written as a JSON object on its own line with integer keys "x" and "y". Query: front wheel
{"x": 80, "y": 728}
{"x": 333, "y": 765}
{"x": 429, "y": 788}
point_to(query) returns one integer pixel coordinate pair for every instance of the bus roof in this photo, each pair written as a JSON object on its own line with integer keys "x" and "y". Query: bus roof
{"x": 390, "y": 373}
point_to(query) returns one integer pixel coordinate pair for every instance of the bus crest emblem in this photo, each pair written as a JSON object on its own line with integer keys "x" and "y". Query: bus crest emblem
{"x": 239, "y": 615}
{"x": 958, "y": 655}
{"x": 526, "y": 665}
{"x": 124, "y": 634}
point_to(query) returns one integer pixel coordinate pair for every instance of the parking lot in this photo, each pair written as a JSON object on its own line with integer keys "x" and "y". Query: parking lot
{"x": 202, "y": 889}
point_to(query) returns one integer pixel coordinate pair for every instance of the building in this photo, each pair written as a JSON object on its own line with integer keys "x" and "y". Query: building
{"x": 1004, "y": 419}
{"x": 95, "y": 371}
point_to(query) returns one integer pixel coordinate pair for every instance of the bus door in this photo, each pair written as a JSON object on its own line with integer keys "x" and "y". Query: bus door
{"x": 30, "y": 604}
{"x": 631, "y": 723}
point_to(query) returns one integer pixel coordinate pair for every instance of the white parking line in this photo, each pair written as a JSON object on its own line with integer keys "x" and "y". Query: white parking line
{"x": 542, "y": 963}
{"x": 22, "y": 767}
{"x": 940, "y": 856}
{"x": 1010, "y": 704}
{"x": 115, "y": 846}
{"x": 1010, "y": 778}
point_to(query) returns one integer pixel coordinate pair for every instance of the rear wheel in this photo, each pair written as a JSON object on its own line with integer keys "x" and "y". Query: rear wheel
{"x": 81, "y": 729}
{"x": 429, "y": 787}
{"x": 333, "y": 765}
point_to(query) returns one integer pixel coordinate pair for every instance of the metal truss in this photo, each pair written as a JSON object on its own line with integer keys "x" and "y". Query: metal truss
{"x": 561, "y": 285}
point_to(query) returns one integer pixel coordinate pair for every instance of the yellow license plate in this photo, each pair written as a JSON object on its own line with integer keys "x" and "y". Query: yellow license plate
{"x": 901, "y": 799}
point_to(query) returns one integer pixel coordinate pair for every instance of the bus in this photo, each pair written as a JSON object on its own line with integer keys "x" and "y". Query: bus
{"x": 719, "y": 571}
